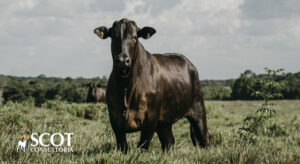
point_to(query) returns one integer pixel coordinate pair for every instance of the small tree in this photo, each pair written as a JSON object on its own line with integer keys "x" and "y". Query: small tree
{"x": 270, "y": 89}
{"x": 244, "y": 86}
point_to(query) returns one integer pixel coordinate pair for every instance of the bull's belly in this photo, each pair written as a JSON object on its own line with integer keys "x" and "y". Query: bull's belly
{"x": 169, "y": 110}
{"x": 136, "y": 119}
{"x": 175, "y": 110}
{"x": 169, "y": 116}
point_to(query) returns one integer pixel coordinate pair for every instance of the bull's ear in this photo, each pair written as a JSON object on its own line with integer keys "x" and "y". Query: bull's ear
{"x": 102, "y": 32}
{"x": 146, "y": 32}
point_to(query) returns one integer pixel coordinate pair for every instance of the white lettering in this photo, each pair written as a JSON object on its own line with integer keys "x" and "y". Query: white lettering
{"x": 41, "y": 139}
{"x": 34, "y": 139}
{"x": 62, "y": 139}
{"x": 68, "y": 138}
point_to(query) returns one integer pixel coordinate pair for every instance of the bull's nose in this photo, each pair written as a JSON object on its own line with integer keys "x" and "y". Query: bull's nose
{"x": 123, "y": 61}
{"x": 127, "y": 62}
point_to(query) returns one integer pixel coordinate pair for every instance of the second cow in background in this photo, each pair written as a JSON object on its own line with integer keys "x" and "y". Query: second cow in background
{"x": 96, "y": 93}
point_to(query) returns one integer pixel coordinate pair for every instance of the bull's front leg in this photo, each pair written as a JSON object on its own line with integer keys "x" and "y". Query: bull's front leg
{"x": 147, "y": 133}
{"x": 121, "y": 141}
{"x": 121, "y": 138}
{"x": 146, "y": 137}
{"x": 117, "y": 123}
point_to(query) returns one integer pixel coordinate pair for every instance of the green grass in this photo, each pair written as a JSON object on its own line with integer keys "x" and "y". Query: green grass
{"x": 94, "y": 142}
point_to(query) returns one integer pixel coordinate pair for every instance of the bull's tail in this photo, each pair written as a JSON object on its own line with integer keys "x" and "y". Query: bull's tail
{"x": 197, "y": 118}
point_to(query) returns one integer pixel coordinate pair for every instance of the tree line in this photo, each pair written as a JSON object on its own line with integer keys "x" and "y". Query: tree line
{"x": 249, "y": 82}
{"x": 42, "y": 88}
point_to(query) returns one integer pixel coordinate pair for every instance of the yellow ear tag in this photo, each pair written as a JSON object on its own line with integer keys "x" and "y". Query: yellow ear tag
{"x": 101, "y": 34}
{"x": 148, "y": 35}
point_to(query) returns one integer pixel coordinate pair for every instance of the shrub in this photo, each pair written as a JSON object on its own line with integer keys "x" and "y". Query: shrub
{"x": 256, "y": 123}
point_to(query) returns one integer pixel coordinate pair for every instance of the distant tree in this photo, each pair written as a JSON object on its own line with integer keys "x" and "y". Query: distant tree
{"x": 42, "y": 76}
{"x": 244, "y": 86}
{"x": 68, "y": 79}
{"x": 16, "y": 90}
{"x": 2, "y": 85}
{"x": 220, "y": 83}
{"x": 292, "y": 90}
{"x": 1, "y": 99}
{"x": 216, "y": 93}
{"x": 38, "y": 89}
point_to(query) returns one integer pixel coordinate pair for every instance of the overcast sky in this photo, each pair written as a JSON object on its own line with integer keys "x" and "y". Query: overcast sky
{"x": 221, "y": 37}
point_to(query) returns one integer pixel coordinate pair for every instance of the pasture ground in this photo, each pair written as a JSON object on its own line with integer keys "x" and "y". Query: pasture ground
{"x": 94, "y": 142}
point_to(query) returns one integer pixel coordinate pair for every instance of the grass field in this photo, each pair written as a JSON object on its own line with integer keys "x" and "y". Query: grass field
{"x": 94, "y": 142}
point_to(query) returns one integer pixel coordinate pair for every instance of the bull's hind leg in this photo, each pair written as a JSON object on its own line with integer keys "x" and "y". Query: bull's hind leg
{"x": 197, "y": 119}
{"x": 165, "y": 135}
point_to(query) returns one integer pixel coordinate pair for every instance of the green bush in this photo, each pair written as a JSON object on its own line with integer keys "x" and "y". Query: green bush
{"x": 258, "y": 122}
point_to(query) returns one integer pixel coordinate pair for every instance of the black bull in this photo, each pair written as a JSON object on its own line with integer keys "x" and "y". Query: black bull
{"x": 149, "y": 92}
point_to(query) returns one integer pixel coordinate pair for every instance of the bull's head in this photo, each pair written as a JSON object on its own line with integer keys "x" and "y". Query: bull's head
{"x": 124, "y": 36}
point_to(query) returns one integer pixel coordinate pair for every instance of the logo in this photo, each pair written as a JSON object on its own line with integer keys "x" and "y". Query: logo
{"x": 23, "y": 142}
{"x": 46, "y": 142}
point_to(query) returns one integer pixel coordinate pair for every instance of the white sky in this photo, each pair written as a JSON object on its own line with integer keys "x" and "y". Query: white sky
{"x": 221, "y": 37}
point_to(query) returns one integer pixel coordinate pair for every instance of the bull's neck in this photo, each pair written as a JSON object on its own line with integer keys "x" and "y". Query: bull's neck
{"x": 142, "y": 58}
{"x": 136, "y": 83}
{"x": 140, "y": 66}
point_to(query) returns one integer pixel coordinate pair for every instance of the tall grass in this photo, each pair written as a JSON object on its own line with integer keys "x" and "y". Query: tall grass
{"x": 94, "y": 141}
